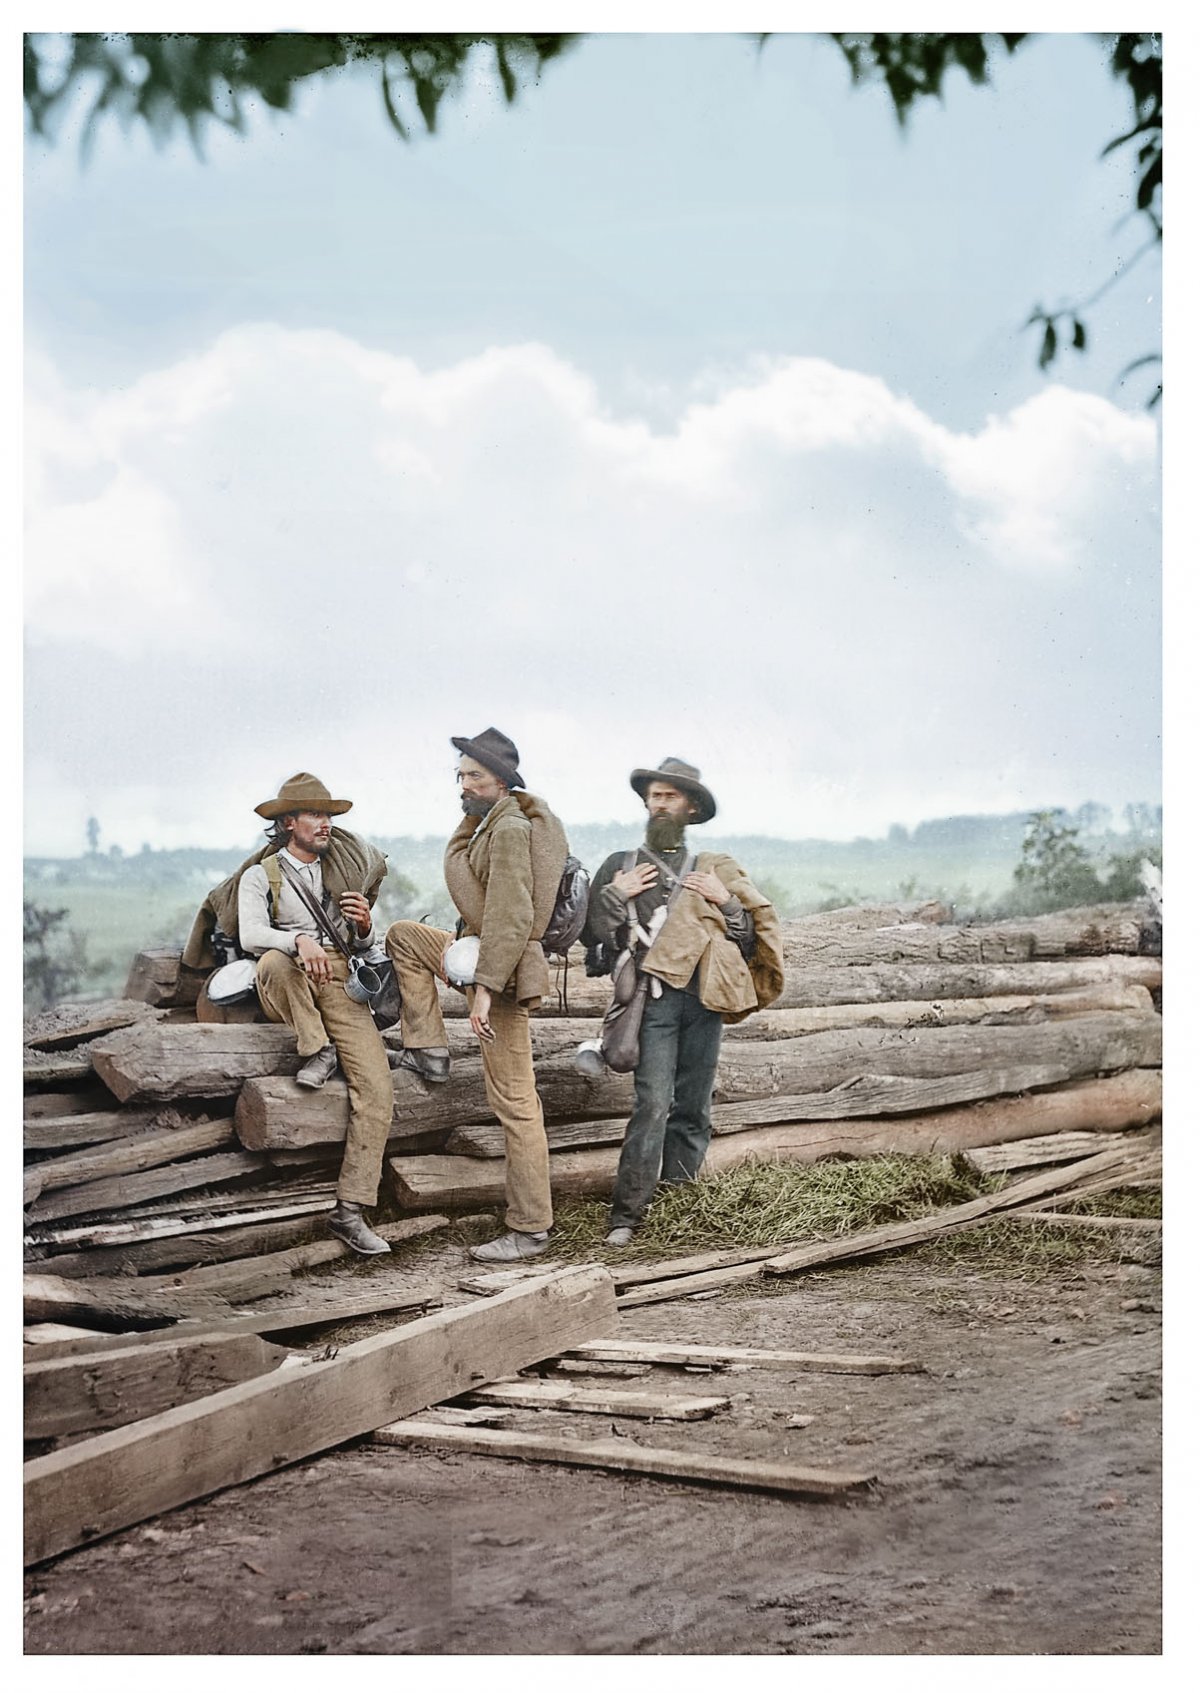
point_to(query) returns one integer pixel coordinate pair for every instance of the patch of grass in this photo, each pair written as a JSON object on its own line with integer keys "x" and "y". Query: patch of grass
{"x": 1031, "y": 1251}
{"x": 769, "y": 1204}
{"x": 1121, "y": 1202}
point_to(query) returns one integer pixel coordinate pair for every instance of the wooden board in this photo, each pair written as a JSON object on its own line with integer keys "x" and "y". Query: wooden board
{"x": 91, "y": 1391}
{"x": 239, "y": 1274}
{"x": 1128, "y": 1100}
{"x": 82, "y": 1128}
{"x": 627, "y": 1458}
{"x": 106, "y": 1234}
{"x": 718, "y": 1357}
{"x": 117, "y": 1192}
{"x": 135, "y": 1152}
{"x": 807, "y": 985}
{"x": 127, "y": 1475}
{"x": 611, "y": 1402}
{"x": 1048, "y": 1149}
{"x": 1079, "y": 1219}
{"x": 73, "y": 1026}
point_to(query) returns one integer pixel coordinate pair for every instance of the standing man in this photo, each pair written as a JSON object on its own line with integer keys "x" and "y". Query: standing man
{"x": 301, "y": 974}
{"x": 715, "y": 956}
{"x": 503, "y": 867}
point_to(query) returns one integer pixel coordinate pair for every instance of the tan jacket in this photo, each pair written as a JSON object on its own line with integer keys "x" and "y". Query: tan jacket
{"x": 503, "y": 875}
{"x": 693, "y": 937}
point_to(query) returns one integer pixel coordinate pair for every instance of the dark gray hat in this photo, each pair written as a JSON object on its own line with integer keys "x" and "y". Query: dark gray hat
{"x": 677, "y": 774}
{"x": 495, "y": 752}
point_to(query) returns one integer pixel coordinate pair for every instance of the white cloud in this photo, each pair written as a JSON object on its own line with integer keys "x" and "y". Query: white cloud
{"x": 844, "y": 611}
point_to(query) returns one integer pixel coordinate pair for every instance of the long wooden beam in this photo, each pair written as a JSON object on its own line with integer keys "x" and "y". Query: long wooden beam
{"x": 721, "y": 1357}
{"x": 628, "y": 1458}
{"x": 123, "y": 1477}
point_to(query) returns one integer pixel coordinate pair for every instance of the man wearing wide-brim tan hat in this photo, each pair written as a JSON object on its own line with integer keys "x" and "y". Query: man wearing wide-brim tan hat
{"x": 301, "y": 974}
{"x": 503, "y": 867}
{"x": 710, "y": 943}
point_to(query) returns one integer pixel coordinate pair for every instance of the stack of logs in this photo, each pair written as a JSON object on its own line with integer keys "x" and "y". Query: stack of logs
{"x": 897, "y": 1031}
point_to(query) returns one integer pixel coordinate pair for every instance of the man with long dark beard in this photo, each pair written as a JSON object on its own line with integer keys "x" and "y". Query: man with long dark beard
{"x": 503, "y": 867}
{"x": 714, "y": 956}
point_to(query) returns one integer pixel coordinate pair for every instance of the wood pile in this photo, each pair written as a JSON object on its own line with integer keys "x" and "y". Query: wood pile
{"x": 176, "y": 1179}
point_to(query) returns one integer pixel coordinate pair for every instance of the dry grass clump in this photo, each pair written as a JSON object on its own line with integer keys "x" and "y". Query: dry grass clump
{"x": 1121, "y": 1202}
{"x": 767, "y": 1204}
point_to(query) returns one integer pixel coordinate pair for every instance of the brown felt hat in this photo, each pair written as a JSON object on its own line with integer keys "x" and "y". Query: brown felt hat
{"x": 679, "y": 775}
{"x": 495, "y": 752}
{"x": 302, "y": 792}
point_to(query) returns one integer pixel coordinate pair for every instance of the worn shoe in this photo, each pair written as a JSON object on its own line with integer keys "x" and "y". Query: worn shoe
{"x": 511, "y": 1248}
{"x": 618, "y": 1237}
{"x": 318, "y": 1069}
{"x": 346, "y": 1221}
{"x": 430, "y": 1066}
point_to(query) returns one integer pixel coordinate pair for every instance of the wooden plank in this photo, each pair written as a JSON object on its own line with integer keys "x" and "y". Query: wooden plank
{"x": 629, "y": 1459}
{"x": 613, "y": 1402}
{"x": 868, "y": 1242}
{"x": 122, "y": 1477}
{"x": 94, "y": 1097}
{"x": 1128, "y": 1100}
{"x": 135, "y": 1152}
{"x": 720, "y": 1357}
{"x": 160, "y": 1228}
{"x": 43, "y": 1069}
{"x": 113, "y": 1304}
{"x": 1047, "y": 1149}
{"x": 1079, "y": 1219}
{"x": 115, "y": 1193}
{"x": 52, "y": 1334}
{"x": 269, "y": 1112}
{"x": 82, "y": 1128}
{"x": 807, "y": 985}
{"x": 161, "y": 1061}
{"x": 682, "y": 1287}
{"x": 242, "y": 1272}
{"x": 99, "y": 1390}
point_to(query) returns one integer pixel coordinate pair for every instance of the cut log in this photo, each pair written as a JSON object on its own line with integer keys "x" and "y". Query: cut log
{"x": 612, "y": 1402}
{"x": 127, "y": 1475}
{"x": 1129, "y": 1100}
{"x": 626, "y": 1458}
{"x": 45, "y": 1069}
{"x": 721, "y": 1357}
{"x": 117, "y": 1192}
{"x": 862, "y": 1096}
{"x": 46, "y": 1103}
{"x": 101, "y": 1390}
{"x": 815, "y": 985}
{"x": 1089, "y": 932}
{"x": 135, "y": 1152}
{"x": 1050, "y": 1149}
{"x": 191, "y": 1061}
{"x": 271, "y": 1113}
{"x": 112, "y": 1304}
{"x": 182, "y": 1252}
{"x": 69, "y": 1026}
{"x": 84, "y": 1128}
{"x": 159, "y": 977}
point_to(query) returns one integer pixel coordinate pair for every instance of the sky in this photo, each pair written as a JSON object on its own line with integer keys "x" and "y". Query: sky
{"x": 682, "y": 409}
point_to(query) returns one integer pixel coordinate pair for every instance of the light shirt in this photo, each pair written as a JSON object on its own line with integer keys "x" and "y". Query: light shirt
{"x": 257, "y": 934}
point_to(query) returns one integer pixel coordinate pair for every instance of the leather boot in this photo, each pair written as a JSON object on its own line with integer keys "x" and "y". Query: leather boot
{"x": 428, "y": 1063}
{"x": 346, "y": 1221}
{"x": 316, "y": 1071}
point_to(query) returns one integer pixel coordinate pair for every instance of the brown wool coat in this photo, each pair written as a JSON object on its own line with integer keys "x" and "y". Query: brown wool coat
{"x": 503, "y": 876}
{"x": 693, "y": 936}
{"x": 350, "y": 866}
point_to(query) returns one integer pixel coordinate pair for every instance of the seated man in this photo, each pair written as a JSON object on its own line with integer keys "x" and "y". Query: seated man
{"x": 715, "y": 955}
{"x": 302, "y": 975}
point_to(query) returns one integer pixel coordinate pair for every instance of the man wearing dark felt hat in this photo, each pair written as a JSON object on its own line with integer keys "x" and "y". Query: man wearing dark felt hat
{"x": 710, "y": 944}
{"x": 301, "y": 974}
{"x": 503, "y": 866}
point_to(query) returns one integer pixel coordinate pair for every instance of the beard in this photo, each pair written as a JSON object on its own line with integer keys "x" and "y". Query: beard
{"x": 664, "y": 834}
{"x": 473, "y": 806}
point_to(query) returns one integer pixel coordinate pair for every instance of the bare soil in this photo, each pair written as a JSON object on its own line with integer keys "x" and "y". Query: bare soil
{"x": 1017, "y": 1509}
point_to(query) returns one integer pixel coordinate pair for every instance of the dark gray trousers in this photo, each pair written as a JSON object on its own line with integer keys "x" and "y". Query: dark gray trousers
{"x": 668, "y": 1134}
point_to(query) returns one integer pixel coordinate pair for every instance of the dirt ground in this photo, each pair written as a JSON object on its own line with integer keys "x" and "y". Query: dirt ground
{"x": 1017, "y": 1509}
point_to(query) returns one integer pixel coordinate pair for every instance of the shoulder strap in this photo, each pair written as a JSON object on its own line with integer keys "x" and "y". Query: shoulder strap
{"x": 271, "y": 865}
{"x": 321, "y": 916}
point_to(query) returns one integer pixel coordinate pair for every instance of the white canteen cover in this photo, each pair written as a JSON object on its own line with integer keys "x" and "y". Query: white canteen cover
{"x": 460, "y": 960}
{"x": 232, "y": 982}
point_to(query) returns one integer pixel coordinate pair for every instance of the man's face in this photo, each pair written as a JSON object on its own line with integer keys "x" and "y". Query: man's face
{"x": 662, "y": 800}
{"x": 478, "y": 787}
{"x": 310, "y": 831}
